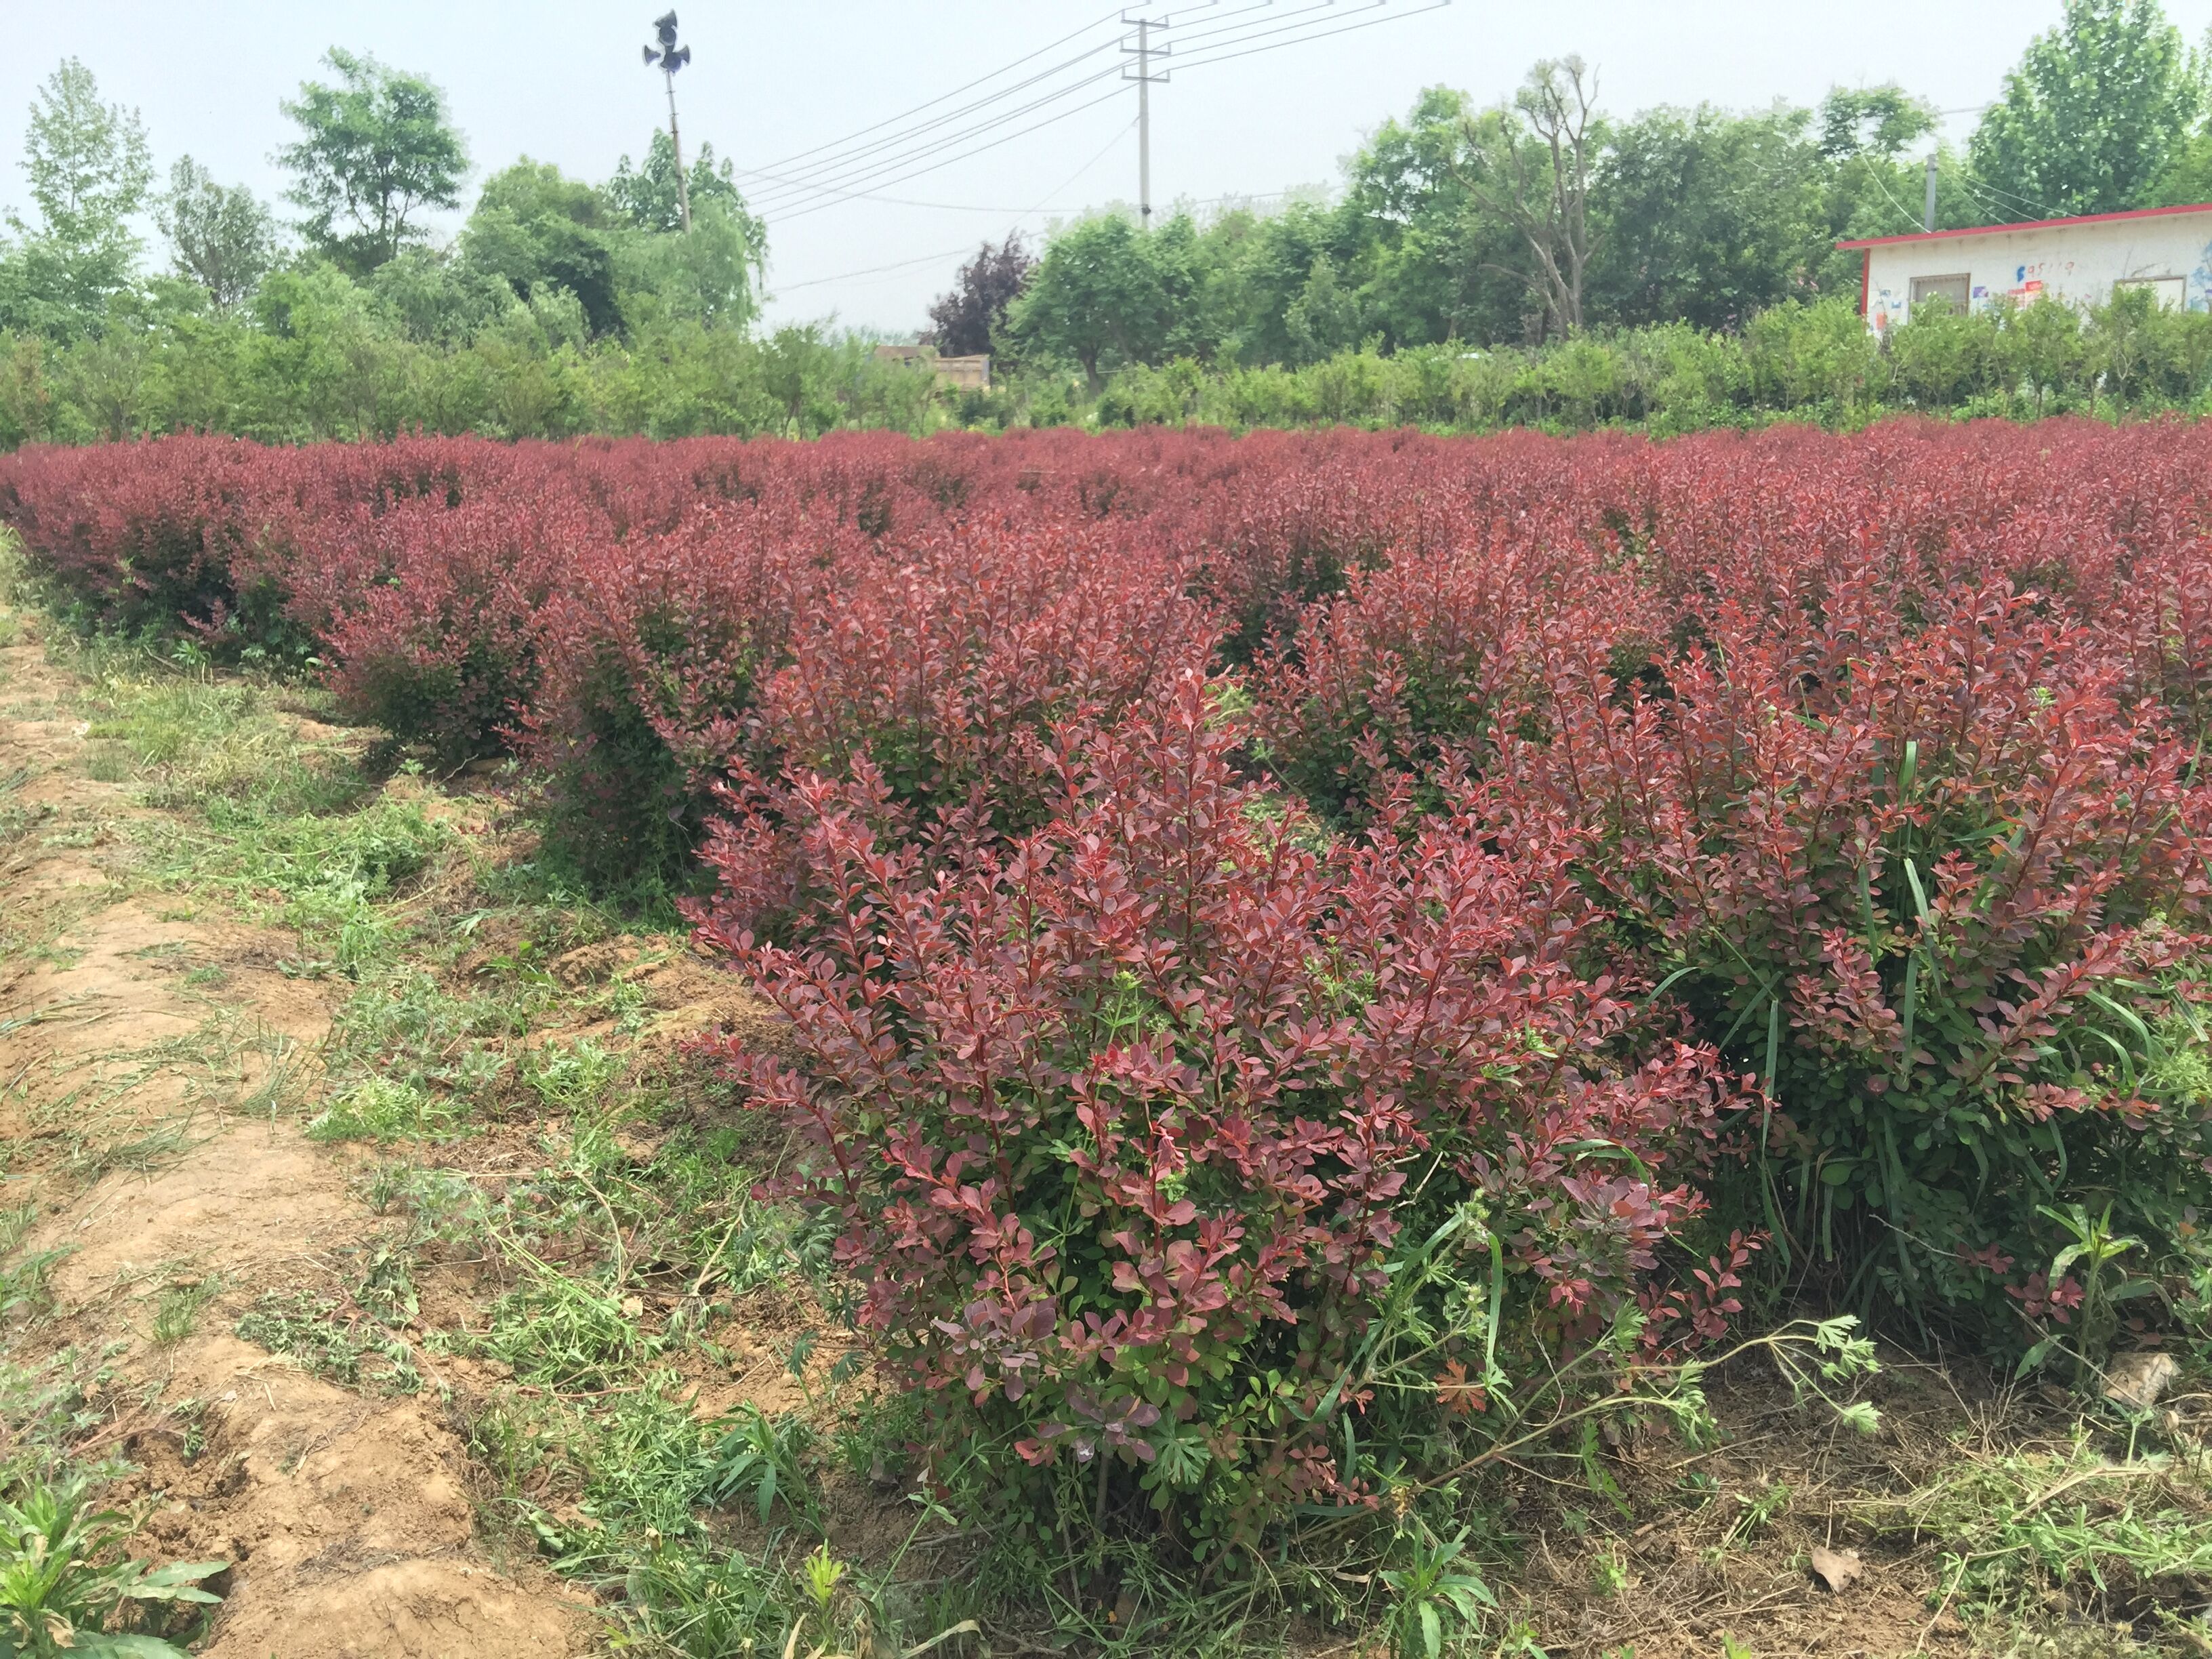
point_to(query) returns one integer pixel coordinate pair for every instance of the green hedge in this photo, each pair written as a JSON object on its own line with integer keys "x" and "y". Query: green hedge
{"x": 335, "y": 372}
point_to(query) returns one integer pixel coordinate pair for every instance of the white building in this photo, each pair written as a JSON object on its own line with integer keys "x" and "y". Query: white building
{"x": 2080, "y": 261}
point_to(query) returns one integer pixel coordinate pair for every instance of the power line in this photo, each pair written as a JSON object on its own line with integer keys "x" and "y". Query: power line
{"x": 807, "y": 177}
{"x": 1912, "y": 221}
{"x": 873, "y": 270}
{"x": 839, "y": 198}
{"x": 1036, "y": 206}
{"x": 1284, "y": 28}
{"x": 843, "y": 151}
{"x": 1323, "y": 34}
{"x": 980, "y": 80}
{"x": 2037, "y": 208}
{"x": 1078, "y": 172}
{"x": 851, "y": 177}
{"x": 848, "y": 176}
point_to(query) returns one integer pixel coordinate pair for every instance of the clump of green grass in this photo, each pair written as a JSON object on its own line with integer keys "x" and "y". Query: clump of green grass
{"x": 570, "y": 1078}
{"x": 18, "y": 819}
{"x": 46, "y": 1408}
{"x": 406, "y": 1024}
{"x": 571, "y": 1334}
{"x": 307, "y": 1330}
{"x": 26, "y": 1286}
{"x": 646, "y": 1482}
{"x": 387, "y": 1288}
{"x": 2114, "y": 1537}
{"x": 288, "y": 832}
{"x": 177, "y": 1310}
{"x": 385, "y": 1110}
{"x": 13, "y": 580}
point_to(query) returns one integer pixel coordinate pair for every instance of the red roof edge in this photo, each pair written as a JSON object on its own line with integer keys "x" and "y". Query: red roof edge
{"x": 2028, "y": 224}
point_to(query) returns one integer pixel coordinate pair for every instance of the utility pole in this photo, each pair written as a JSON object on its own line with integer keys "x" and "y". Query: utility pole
{"x": 1145, "y": 121}
{"x": 1928, "y": 217}
{"x": 672, "y": 58}
{"x": 1145, "y": 50}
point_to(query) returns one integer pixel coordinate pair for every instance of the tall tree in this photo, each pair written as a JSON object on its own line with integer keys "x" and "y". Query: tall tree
{"x": 1708, "y": 216}
{"x": 965, "y": 319}
{"x": 1435, "y": 263}
{"x": 1872, "y": 121}
{"x": 1872, "y": 188}
{"x": 90, "y": 169}
{"x": 2091, "y": 115}
{"x": 532, "y": 226}
{"x": 1537, "y": 177}
{"x": 1106, "y": 293}
{"x": 647, "y": 196}
{"x": 375, "y": 152}
{"x": 711, "y": 277}
{"x": 222, "y": 238}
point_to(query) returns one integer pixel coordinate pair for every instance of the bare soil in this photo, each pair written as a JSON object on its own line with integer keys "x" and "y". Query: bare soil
{"x": 346, "y": 1516}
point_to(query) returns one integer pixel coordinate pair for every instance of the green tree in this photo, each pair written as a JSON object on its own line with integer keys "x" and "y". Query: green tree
{"x": 1435, "y": 263}
{"x": 1871, "y": 188}
{"x": 88, "y": 168}
{"x": 1247, "y": 273}
{"x": 1872, "y": 121}
{"x": 375, "y": 152}
{"x": 1327, "y": 317}
{"x": 532, "y": 226}
{"x": 222, "y": 238}
{"x": 435, "y": 296}
{"x": 647, "y": 194}
{"x": 710, "y": 278}
{"x": 1104, "y": 296}
{"x": 2093, "y": 114}
{"x": 1707, "y": 216}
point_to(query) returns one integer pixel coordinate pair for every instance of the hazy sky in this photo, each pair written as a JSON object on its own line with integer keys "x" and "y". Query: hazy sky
{"x": 561, "y": 81}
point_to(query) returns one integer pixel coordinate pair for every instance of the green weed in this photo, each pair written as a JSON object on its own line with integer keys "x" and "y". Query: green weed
{"x": 1753, "y": 1516}
{"x": 26, "y": 1286}
{"x": 404, "y": 1024}
{"x": 2116, "y": 1538}
{"x": 45, "y": 1409}
{"x": 177, "y": 1311}
{"x": 385, "y": 1109}
{"x": 570, "y": 1334}
{"x": 386, "y": 1290}
{"x": 303, "y": 1328}
{"x": 1437, "y": 1596}
{"x": 63, "y": 1590}
{"x": 705, "y": 1604}
{"x": 760, "y": 1459}
{"x": 572, "y": 1077}
{"x": 287, "y": 832}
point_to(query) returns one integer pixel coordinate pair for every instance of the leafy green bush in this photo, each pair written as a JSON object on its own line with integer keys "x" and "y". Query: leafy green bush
{"x": 63, "y": 1593}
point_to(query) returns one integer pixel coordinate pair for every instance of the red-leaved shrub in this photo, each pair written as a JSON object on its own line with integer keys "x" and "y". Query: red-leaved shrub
{"x": 1876, "y": 755}
{"x": 1172, "y": 1139}
{"x": 1931, "y": 879}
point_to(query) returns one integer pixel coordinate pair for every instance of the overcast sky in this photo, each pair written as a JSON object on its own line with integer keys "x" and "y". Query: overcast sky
{"x": 561, "y": 81}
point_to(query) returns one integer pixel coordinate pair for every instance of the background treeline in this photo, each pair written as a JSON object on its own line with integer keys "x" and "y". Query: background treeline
{"x": 1533, "y": 262}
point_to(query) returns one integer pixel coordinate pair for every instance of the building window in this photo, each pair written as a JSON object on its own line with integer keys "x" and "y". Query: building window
{"x": 1951, "y": 290}
{"x": 2171, "y": 291}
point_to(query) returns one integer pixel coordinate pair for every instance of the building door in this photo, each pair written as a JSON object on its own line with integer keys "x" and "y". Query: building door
{"x": 1951, "y": 290}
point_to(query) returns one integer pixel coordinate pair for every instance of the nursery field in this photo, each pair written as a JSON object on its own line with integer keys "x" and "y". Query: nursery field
{"x": 1348, "y": 1043}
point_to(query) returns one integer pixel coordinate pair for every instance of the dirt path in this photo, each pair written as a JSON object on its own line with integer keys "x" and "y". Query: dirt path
{"x": 150, "y": 1058}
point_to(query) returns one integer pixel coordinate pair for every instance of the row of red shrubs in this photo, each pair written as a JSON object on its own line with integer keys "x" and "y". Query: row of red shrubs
{"x": 1276, "y": 930}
